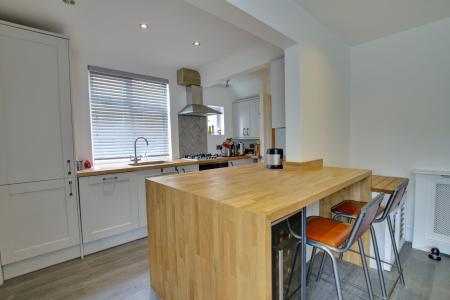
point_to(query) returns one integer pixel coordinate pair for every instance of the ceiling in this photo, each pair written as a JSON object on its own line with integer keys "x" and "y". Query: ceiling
{"x": 359, "y": 21}
{"x": 112, "y": 26}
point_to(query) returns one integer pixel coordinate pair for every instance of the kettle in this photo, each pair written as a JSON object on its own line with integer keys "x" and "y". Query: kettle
{"x": 274, "y": 158}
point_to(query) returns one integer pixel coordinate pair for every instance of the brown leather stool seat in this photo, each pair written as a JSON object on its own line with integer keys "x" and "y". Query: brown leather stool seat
{"x": 351, "y": 208}
{"x": 327, "y": 231}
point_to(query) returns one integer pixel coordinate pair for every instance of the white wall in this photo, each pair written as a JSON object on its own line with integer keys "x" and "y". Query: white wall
{"x": 220, "y": 96}
{"x": 317, "y": 76}
{"x": 400, "y": 103}
{"x": 80, "y": 59}
{"x": 277, "y": 92}
{"x": 237, "y": 63}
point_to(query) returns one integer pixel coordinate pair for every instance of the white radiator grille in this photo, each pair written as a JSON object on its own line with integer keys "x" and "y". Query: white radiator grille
{"x": 442, "y": 209}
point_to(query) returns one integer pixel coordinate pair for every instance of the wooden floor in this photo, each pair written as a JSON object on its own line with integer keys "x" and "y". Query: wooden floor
{"x": 122, "y": 273}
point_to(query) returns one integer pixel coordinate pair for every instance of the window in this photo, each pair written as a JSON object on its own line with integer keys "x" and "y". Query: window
{"x": 216, "y": 124}
{"x": 125, "y": 106}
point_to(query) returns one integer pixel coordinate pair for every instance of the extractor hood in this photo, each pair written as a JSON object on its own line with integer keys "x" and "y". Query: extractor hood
{"x": 195, "y": 107}
{"x": 194, "y": 94}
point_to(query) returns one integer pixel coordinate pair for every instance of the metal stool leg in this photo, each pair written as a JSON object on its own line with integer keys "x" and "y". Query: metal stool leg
{"x": 291, "y": 274}
{"x": 311, "y": 263}
{"x": 366, "y": 271}
{"x": 336, "y": 273}
{"x": 378, "y": 260}
{"x": 322, "y": 262}
{"x": 394, "y": 246}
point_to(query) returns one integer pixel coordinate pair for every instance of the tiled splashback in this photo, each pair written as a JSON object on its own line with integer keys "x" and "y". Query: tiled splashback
{"x": 192, "y": 132}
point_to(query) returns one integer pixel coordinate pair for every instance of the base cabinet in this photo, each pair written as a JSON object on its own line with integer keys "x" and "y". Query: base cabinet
{"x": 141, "y": 193}
{"x": 109, "y": 205}
{"x": 37, "y": 218}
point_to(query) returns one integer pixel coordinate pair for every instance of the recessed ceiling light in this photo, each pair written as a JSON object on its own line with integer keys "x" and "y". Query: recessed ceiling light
{"x": 69, "y": 2}
{"x": 143, "y": 26}
{"x": 196, "y": 43}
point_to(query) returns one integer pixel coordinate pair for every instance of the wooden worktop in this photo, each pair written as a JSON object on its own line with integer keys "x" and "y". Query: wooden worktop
{"x": 125, "y": 167}
{"x": 272, "y": 193}
{"x": 386, "y": 184}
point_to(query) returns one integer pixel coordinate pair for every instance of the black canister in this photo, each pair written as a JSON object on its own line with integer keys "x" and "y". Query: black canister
{"x": 274, "y": 158}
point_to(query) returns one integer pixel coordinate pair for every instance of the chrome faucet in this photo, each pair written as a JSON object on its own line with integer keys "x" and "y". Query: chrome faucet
{"x": 136, "y": 158}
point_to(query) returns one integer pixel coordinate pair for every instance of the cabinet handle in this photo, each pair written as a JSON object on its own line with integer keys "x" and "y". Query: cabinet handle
{"x": 248, "y": 134}
{"x": 110, "y": 178}
{"x": 231, "y": 163}
{"x": 70, "y": 167}
{"x": 176, "y": 169}
{"x": 445, "y": 176}
{"x": 70, "y": 188}
{"x": 243, "y": 131}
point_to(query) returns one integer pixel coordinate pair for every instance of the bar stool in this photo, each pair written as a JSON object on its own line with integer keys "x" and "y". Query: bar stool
{"x": 335, "y": 237}
{"x": 351, "y": 209}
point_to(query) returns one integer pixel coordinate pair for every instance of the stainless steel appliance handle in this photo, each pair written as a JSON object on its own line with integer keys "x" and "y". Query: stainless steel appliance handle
{"x": 70, "y": 167}
{"x": 280, "y": 275}
{"x": 110, "y": 178}
{"x": 70, "y": 188}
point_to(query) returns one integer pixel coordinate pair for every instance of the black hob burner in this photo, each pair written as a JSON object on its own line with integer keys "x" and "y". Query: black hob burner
{"x": 202, "y": 156}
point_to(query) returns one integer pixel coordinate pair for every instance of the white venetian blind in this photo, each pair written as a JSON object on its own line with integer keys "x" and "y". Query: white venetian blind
{"x": 125, "y": 106}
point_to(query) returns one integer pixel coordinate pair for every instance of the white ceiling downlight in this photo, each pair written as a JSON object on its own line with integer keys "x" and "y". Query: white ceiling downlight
{"x": 196, "y": 43}
{"x": 143, "y": 26}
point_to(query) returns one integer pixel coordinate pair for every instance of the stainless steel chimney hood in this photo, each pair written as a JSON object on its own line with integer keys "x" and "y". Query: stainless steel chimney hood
{"x": 195, "y": 107}
{"x": 194, "y": 93}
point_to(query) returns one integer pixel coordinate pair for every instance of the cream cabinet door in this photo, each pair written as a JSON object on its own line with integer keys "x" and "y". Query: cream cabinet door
{"x": 35, "y": 110}
{"x": 253, "y": 130}
{"x": 241, "y": 118}
{"x": 37, "y": 218}
{"x": 142, "y": 196}
{"x": 109, "y": 205}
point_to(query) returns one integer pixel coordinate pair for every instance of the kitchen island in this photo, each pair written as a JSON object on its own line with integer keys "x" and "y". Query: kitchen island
{"x": 210, "y": 232}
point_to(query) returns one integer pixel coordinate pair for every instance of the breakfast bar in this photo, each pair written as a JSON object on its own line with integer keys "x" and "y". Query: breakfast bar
{"x": 210, "y": 233}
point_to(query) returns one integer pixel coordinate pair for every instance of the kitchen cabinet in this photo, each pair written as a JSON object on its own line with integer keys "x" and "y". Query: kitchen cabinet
{"x": 35, "y": 108}
{"x": 141, "y": 193}
{"x": 109, "y": 205}
{"x": 246, "y": 116}
{"x": 140, "y": 184}
{"x": 37, "y": 218}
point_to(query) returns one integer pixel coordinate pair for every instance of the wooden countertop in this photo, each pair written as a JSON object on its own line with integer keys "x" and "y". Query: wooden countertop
{"x": 125, "y": 167}
{"x": 386, "y": 184}
{"x": 271, "y": 193}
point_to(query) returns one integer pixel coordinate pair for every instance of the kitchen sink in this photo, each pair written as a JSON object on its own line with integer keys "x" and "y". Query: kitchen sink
{"x": 151, "y": 162}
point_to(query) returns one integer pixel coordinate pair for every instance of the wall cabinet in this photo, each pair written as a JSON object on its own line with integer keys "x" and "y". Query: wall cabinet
{"x": 109, "y": 205}
{"x": 246, "y": 118}
{"x": 39, "y": 217}
{"x": 35, "y": 108}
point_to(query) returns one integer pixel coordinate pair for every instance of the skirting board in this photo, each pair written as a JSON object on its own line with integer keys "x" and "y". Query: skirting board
{"x": 113, "y": 241}
{"x": 39, "y": 262}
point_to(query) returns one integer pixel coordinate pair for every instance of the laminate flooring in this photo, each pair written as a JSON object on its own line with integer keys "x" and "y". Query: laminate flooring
{"x": 122, "y": 273}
